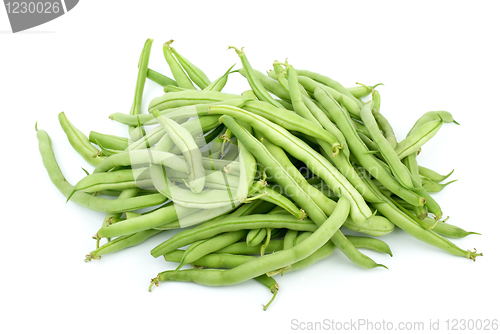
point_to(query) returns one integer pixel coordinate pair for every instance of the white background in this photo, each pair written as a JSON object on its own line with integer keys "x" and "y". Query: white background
{"x": 434, "y": 55}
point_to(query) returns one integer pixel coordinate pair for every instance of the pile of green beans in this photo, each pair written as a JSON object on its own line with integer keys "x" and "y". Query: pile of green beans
{"x": 270, "y": 181}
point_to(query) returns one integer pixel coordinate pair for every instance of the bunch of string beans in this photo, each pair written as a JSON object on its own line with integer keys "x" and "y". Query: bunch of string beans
{"x": 265, "y": 179}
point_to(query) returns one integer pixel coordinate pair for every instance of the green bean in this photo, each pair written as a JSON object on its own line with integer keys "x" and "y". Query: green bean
{"x": 228, "y": 224}
{"x": 290, "y": 238}
{"x": 254, "y": 82}
{"x": 156, "y": 218}
{"x": 328, "y": 125}
{"x": 185, "y": 142}
{"x": 112, "y": 218}
{"x": 80, "y": 142}
{"x": 196, "y": 74}
{"x": 285, "y": 104}
{"x": 194, "y": 126}
{"x": 214, "y": 177}
{"x": 174, "y": 88}
{"x": 120, "y": 243}
{"x": 362, "y": 90}
{"x": 201, "y": 248}
{"x": 430, "y": 116}
{"x": 432, "y": 187}
{"x": 386, "y": 129}
{"x": 218, "y": 84}
{"x": 376, "y": 105}
{"x": 139, "y": 88}
{"x": 265, "y": 263}
{"x": 329, "y": 83}
{"x": 148, "y": 119}
{"x": 255, "y": 236}
{"x": 419, "y": 137}
{"x": 121, "y": 179}
{"x": 432, "y": 175}
{"x": 299, "y": 100}
{"x": 136, "y": 158}
{"x": 109, "y": 141}
{"x": 286, "y": 181}
{"x": 189, "y": 98}
{"x": 271, "y": 195}
{"x": 450, "y": 231}
{"x": 410, "y": 162}
{"x": 159, "y": 78}
{"x": 373, "y": 244}
{"x": 247, "y": 171}
{"x": 206, "y": 199}
{"x": 180, "y": 77}
{"x": 249, "y": 94}
{"x": 83, "y": 199}
{"x": 301, "y": 237}
{"x": 350, "y": 104}
{"x": 398, "y": 169}
{"x": 269, "y": 84}
{"x": 241, "y": 248}
{"x": 360, "y": 151}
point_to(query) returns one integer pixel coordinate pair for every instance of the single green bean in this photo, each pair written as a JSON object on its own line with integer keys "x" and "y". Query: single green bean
{"x": 189, "y": 98}
{"x": 419, "y": 137}
{"x": 80, "y": 142}
{"x": 109, "y": 141}
{"x": 391, "y": 158}
{"x": 91, "y": 202}
{"x": 432, "y": 175}
{"x": 194, "y": 73}
{"x": 254, "y": 82}
{"x": 159, "y": 78}
{"x": 180, "y": 77}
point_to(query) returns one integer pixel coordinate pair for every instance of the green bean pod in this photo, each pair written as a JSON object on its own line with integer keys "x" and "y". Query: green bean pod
{"x": 228, "y": 224}
{"x": 271, "y": 85}
{"x": 80, "y": 142}
{"x": 201, "y": 248}
{"x": 109, "y": 141}
{"x": 255, "y": 84}
{"x": 194, "y": 73}
{"x": 391, "y": 158}
{"x": 91, "y": 202}
{"x": 180, "y": 77}
{"x": 361, "y": 90}
{"x": 137, "y": 132}
{"x": 159, "y": 78}
{"x": 432, "y": 187}
{"x": 188, "y": 98}
{"x": 185, "y": 142}
{"x": 351, "y": 105}
{"x": 432, "y": 175}
{"x": 218, "y": 84}
{"x": 330, "y": 83}
{"x": 418, "y": 138}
